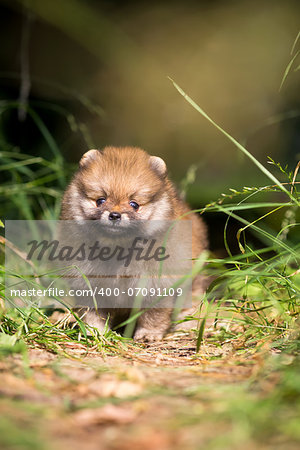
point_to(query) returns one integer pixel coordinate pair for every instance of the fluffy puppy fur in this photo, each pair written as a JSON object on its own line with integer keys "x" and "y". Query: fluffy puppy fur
{"x": 134, "y": 186}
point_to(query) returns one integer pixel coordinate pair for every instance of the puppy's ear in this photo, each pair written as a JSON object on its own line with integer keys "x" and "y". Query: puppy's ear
{"x": 158, "y": 165}
{"x": 88, "y": 157}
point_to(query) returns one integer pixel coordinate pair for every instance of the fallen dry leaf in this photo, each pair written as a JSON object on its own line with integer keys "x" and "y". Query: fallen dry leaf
{"x": 106, "y": 414}
{"x": 113, "y": 387}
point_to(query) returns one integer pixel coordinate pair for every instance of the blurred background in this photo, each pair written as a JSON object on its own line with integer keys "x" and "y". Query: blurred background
{"x": 78, "y": 74}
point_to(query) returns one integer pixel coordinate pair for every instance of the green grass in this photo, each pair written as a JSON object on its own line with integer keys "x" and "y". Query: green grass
{"x": 21, "y": 432}
{"x": 259, "y": 288}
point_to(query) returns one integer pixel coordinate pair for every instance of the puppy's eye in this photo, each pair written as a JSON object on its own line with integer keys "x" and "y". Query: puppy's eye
{"x": 100, "y": 201}
{"x": 134, "y": 205}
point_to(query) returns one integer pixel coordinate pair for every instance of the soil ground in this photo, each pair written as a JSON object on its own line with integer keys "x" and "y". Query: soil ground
{"x": 156, "y": 396}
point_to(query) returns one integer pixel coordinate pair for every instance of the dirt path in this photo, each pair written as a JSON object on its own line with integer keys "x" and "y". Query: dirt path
{"x": 148, "y": 397}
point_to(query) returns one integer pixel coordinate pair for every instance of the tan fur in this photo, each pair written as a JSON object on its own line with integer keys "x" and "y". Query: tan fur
{"x": 122, "y": 175}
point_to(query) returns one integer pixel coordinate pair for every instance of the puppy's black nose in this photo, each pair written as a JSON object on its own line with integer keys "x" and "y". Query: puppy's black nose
{"x": 114, "y": 216}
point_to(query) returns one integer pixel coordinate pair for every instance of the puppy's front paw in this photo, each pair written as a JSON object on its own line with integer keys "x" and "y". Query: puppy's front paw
{"x": 143, "y": 334}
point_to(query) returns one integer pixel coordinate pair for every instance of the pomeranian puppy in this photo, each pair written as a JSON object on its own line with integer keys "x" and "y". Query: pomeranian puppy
{"x": 118, "y": 188}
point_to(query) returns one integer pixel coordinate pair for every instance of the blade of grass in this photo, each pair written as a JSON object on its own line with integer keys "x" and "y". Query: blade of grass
{"x": 235, "y": 142}
{"x": 295, "y": 43}
{"x": 200, "y": 334}
{"x": 288, "y": 69}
